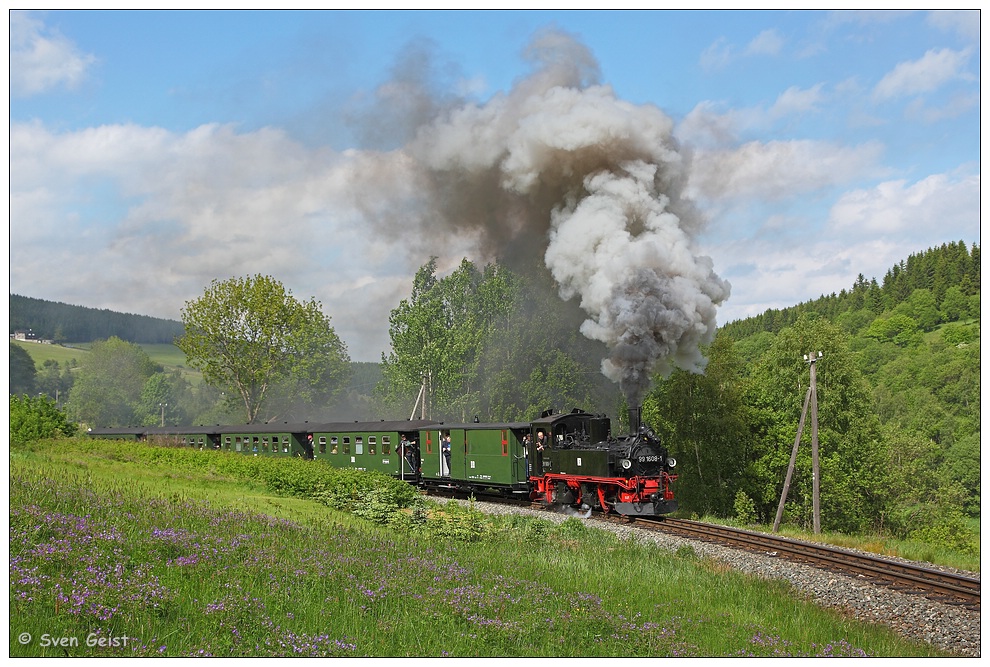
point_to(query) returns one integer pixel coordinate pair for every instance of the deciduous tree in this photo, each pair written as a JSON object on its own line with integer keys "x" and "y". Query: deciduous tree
{"x": 853, "y": 455}
{"x": 107, "y": 392}
{"x": 703, "y": 420}
{"x": 250, "y": 336}
{"x": 439, "y": 334}
{"x": 22, "y": 371}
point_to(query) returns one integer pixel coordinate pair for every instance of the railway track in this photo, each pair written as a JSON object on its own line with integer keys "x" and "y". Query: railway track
{"x": 942, "y": 586}
{"x": 938, "y": 585}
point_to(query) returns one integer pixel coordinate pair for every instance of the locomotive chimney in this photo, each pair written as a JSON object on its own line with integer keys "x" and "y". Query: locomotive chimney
{"x": 635, "y": 418}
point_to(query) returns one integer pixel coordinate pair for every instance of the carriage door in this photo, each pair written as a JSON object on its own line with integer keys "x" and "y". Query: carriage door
{"x": 442, "y": 455}
{"x": 520, "y": 455}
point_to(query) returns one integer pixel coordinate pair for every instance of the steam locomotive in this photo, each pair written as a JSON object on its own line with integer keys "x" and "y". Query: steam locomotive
{"x": 562, "y": 459}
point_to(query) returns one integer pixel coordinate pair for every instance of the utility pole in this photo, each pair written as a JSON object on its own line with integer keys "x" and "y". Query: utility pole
{"x": 163, "y": 406}
{"x": 815, "y": 472}
{"x": 425, "y": 389}
{"x": 810, "y": 398}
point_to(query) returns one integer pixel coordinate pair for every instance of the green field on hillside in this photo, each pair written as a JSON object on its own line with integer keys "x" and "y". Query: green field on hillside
{"x": 168, "y": 356}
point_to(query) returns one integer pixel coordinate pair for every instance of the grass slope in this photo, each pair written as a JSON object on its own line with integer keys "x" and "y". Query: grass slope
{"x": 204, "y": 553}
{"x": 169, "y": 356}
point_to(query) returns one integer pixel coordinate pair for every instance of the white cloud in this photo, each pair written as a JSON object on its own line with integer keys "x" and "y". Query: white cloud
{"x": 778, "y": 169}
{"x": 706, "y": 126}
{"x": 865, "y": 17}
{"x": 794, "y": 100}
{"x": 42, "y": 59}
{"x": 924, "y": 75}
{"x": 717, "y": 55}
{"x": 767, "y": 43}
{"x": 943, "y": 202}
{"x": 779, "y": 275}
{"x": 721, "y": 53}
{"x": 142, "y": 219}
{"x": 964, "y": 22}
{"x": 955, "y": 106}
{"x": 868, "y": 231}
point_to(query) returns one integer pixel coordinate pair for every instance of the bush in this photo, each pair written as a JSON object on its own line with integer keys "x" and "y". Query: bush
{"x": 957, "y": 334}
{"x": 34, "y": 418}
{"x": 347, "y": 490}
{"x": 745, "y": 508}
{"x": 458, "y": 523}
{"x": 382, "y": 504}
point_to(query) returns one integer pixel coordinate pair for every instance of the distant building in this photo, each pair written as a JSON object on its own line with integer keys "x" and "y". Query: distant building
{"x": 28, "y": 336}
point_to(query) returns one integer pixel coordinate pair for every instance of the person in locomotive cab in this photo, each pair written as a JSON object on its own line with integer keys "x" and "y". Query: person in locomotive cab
{"x": 541, "y": 441}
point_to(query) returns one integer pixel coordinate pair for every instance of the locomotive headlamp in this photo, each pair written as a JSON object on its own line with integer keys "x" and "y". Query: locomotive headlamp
{"x": 626, "y": 464}
{"x": 671, "y": 462}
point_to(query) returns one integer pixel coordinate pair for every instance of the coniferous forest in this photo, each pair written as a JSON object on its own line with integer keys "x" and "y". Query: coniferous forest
{"x": 62, "y": 323}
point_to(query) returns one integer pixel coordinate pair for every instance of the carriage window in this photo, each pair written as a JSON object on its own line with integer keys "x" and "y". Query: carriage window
{"x": 237, "y": 443}
{"x": 386, "y": 444}
{"x": 333, "y": 445}
{"x": 505, "y": 443}
{"x": 359, "y": 445}
{"x": 264, "y": 444}
{"x": 323, "y": 444}
{"x": 254, "y": 444}
{"x": 371, "y": 444}
{"x": 285, "y": 444}
{"x": 347, "y": 444}
{"x": 226, "y": 443}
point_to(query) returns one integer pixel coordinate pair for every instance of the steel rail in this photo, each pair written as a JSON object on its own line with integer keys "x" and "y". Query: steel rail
{"x": 957, "y": 586}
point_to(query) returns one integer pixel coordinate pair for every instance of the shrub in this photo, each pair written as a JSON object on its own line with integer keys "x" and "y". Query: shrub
{"x": 346, "y": 490}
{"x": 34, "y": 418}
{"x": 454, "y": 522}
{"x": 745, "y": 508}
{"x": 381, "y": 504}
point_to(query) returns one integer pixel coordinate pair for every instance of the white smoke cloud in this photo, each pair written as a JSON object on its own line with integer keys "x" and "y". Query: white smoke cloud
{"x": 561, "y": 171}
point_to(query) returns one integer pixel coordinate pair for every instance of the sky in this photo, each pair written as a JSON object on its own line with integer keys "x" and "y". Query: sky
{"x": 152, "y": 152}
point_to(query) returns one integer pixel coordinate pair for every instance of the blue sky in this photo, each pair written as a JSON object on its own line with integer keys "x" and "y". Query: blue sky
{"x": 152, "y": 152}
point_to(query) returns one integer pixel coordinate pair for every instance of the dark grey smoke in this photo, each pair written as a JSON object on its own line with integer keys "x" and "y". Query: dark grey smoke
{"x": 560, "y": 171}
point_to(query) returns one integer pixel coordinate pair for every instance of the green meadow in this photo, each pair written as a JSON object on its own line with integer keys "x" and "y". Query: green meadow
{"x": 121, "y": 549}
{"x": 169, "y": 356}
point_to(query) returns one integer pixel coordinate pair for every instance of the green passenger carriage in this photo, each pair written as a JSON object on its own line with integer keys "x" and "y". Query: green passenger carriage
{"x": 487, "y": 455}
{"x": 283, "y": 440}
{"x": 371, "y": 446}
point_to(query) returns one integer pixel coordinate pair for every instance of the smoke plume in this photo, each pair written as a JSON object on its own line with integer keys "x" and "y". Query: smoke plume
{"x": 560, "y": 171}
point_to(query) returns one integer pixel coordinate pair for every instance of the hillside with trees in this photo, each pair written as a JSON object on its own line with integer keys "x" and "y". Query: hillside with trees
{"x": 898, "y": 406}
{"x": 949, "y": 273}
{"x": 62, "y": 323}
